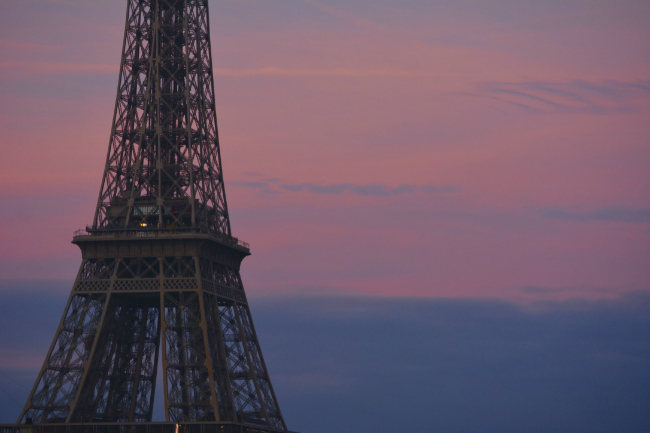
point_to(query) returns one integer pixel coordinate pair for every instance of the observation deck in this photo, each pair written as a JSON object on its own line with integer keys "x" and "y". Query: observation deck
{"x": 91, "y": 234}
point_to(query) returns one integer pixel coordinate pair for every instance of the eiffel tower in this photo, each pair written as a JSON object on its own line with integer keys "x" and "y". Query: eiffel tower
{"x": 159, "y": 281}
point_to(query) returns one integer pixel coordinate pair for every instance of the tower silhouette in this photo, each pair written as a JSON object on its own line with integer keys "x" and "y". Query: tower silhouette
{"x": 159, "y": 280}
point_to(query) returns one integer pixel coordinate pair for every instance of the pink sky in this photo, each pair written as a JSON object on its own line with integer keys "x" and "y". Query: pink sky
{"x": 397, "y": 148}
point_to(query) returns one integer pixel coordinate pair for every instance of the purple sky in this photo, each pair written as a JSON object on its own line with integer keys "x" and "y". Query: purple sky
{"x": 377, "y": 148}
{"x": 474, "y": 149}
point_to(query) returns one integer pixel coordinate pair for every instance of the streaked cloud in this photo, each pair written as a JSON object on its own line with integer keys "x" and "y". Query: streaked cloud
{"x": 368, "y": 190}
{"x": 620, "y": 214}
{"x": 598, "y": 97}
{"x": 250, "y": 184}
{"x": 541, "y": 292}
{"x": 85, "y": 68}
{"x": 57, "y": 68}
{"x": 22, "y": 46}
{"x": 271, "y": 71}
{"x": 275, "y": 185}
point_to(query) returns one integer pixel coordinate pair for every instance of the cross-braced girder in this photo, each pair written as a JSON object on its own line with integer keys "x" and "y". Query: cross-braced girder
{"x": 121, "y": 376}
{"x": 58, "y": 381}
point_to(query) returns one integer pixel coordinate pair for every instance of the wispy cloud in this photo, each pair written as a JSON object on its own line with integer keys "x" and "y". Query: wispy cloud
{"x": 57, "y": 67}
{"x": 23, "y": 46}
{"x": 368, "y": 190}
{"x": 226, "y": 72}
{"x": 250, "y": 184}
{"x": 571, "y": 291}
{"x": 275, "y": 185}
{"x": 86, "y": 68}
{"x": 603, "y": 97}
{"x": 621, "y": 214}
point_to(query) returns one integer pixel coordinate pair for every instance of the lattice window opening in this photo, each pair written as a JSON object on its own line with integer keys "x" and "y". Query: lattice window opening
{"x": 236, "y": 357}
{"x": 67, "y": 346}
{"x": 184, "y": 347}
{"x": 64, "y": 384}
{"x": 239, "y": 364}
{"x": 49, "y": 381}
{"x": 193, "y": 357}
{"x": 188, "y": 382}
{"x": 221, "y": 274}
{"x": 93, "y": 309}
{"x": 258, "y": 367}
{"x": 80, "y": 323}
{"x": 265, "y": 390}
{"x": 246, "y": 328}
{"x": 229, "y": 323}
{"x": 206, "y": 268}
{"x": 246, "y": 401}
{"x": 123, "y": 361}
{"x": 94, "y": 269}
{"x": 188, "y": 388}
{"x": 224, "y": 402}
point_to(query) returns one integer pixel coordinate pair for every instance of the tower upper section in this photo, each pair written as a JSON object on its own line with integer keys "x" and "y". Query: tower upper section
{"x": 163, "y": 168}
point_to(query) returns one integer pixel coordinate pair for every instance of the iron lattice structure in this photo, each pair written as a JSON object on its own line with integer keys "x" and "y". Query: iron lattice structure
{"x": 159, "y": 281}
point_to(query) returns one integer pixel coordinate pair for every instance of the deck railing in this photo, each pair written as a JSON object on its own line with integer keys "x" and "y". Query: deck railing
{"x": 154, "y": 232}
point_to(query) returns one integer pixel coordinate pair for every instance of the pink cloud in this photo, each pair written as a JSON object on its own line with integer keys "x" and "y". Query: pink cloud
{"x": 45, "y": 68}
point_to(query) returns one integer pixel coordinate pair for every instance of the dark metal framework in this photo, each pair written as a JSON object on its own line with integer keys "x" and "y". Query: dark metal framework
{"x": 159, "y": 280}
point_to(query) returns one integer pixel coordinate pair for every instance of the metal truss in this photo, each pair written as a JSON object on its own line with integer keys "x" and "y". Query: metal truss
{"x": 164, "y": 166}
{"x": 58, "y": 381}
{"x": 159, "y": 282}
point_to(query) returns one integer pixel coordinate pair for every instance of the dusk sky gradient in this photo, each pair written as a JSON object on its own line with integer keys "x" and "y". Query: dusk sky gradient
{"x": 495, "y": 152}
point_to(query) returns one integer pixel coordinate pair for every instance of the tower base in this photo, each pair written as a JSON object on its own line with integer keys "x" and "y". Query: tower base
{"x": 139, "y": 427}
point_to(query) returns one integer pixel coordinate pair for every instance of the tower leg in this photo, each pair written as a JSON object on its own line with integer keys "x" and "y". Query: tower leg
{"x": 218, "y": 354}
{"x": 60, "y": 376}
{"x": 121, "y": 376}
{"x": 188, "y": 384}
